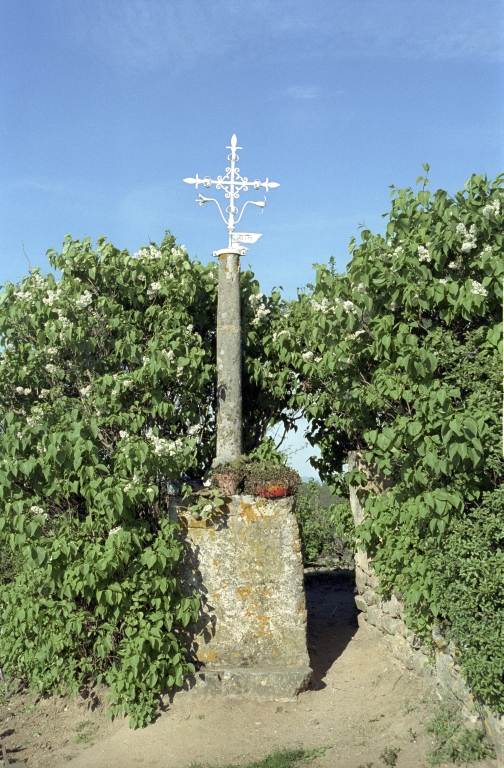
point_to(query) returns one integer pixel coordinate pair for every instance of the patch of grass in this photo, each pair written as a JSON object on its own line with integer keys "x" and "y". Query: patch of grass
{"x": 85, "y": 731}
{"x": 456, "y": 742}
{"x": 389, "y": 755}
{"x": 285, "y": 758}
{"x": 279, "y": 710}
{"x": 200, "y": 717}
{"x": 409, "y": 707}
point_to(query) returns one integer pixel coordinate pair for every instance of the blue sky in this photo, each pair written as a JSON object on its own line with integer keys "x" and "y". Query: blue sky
{"x": 106, "y": 105}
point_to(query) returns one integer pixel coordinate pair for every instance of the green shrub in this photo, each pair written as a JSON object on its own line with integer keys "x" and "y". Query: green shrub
{"x": 323, "y": 526}
{"x": 401, "y": 359}
{"x": 107, "y": 395}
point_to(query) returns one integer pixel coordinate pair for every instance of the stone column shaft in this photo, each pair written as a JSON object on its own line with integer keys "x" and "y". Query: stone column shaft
{"x": 229, "y": 358}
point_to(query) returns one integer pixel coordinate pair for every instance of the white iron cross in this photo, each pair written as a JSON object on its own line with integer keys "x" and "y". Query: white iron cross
{"x": 233, "y": 183}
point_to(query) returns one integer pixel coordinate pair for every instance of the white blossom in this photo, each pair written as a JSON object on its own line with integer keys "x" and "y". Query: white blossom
{"x": 307, "y": 355}
{"x": 493, "y": 207}
{"x": 148, "y": 253}
{"x": 50, "y": 368}
{"x": 443, "y": 281}
{"x": 452, "y": 265}
{"x": 115, "y": 531}
{"x": 85, "y": 391}
{"x": 285, "y": 332}
{"x": 398, "y": 250}
{"x": 23, "y": 390}
{"x": 194, "y": 429}
{"x": 123, "y": 434}
{"x": 207, "y": 508}
{"x": 170, "y": 354}
{"x": 180, "y": 371}
{"x": 37, "y": 510}
{"x": 162, "y": 446}
{"x": 255, "y": 298}
{"x": 127, "y": 383}
{"x": 52, "y": 296}
{"x": 423, "y": 254}
{"x": 65, "y": 322}
{"x": 145, "y": 360}
{"x": 322, "y": 306}
{"x": 190, "y": 328}
{"x": 477, "y": 289}
{"x": 84, "y": 300}
{"x": 153, "y": 289}
{"x": 469, "y": 237}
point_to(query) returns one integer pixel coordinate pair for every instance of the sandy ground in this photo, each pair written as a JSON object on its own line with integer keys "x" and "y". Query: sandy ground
{"x": 358, "y": 705}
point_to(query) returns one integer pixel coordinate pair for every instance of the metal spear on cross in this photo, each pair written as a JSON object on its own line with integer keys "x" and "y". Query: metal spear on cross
{"x": 229, "y": 363}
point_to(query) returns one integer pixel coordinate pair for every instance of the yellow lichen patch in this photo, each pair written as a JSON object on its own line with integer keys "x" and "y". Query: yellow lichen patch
{"x": 265, "y": 591}
{"x": 244, "y": 592}
{"x": 207, "y": 655}
{"x": 190, "y": 522}
{"x": 216, "y": 562}
{"x": 248, "y": 512}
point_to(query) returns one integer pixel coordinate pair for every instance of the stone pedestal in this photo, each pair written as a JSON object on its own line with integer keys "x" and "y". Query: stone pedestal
{"x": 246, "y": 564}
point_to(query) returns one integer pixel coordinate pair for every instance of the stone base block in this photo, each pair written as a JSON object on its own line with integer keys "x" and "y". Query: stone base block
{"x": 258, "y": 684}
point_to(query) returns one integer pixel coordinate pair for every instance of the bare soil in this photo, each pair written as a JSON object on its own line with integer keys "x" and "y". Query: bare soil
{"x": 359, "y": 705}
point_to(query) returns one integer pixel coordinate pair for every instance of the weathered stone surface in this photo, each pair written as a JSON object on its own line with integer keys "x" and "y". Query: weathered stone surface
{"x": 262, "y": 684}
{"x": 246, "y": 564}
{"x": 362, "y": 620}
{"x": 229, "y": 359}
{"x": 419, "y": 663}
{"x": 391, "y": 625}
{"x": 494, "y": 727}
{"x": 374, "y": 616}
{"x": 360, "y": 603}
{"x": 392, "y": 607}
{"x": 369, "y": 597}
{"x": 361, "y": 561}
{"x": 438, "y": 637}
{"x": 360, "y": 581}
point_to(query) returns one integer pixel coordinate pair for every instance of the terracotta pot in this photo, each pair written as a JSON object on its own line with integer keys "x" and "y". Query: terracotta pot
{"x": 228, "y": 484}
{"x": 274, "y": 491}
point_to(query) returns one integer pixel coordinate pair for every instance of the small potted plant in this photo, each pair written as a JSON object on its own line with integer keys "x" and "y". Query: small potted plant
{"x": 271, "y": 481}
{"x": 229, "y": 477}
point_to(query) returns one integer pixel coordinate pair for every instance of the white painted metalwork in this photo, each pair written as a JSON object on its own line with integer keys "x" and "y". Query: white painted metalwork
{"x": 232, "y": 184}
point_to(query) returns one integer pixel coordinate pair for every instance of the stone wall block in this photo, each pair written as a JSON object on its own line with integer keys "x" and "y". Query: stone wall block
{"x": 246, "y": 564}
{"x": 374, "y": 616}
{"x": 360, "y": 603}
{"x": 360, "y": 581}
{"x": 369, "y": 597}
{"x": 362, "y": 561}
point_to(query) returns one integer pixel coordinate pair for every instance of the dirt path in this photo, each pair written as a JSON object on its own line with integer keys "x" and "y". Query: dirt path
{"x": 359, "y": 705}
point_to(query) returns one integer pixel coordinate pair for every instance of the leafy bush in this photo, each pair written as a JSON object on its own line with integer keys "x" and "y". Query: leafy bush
{"x": 107, "y": 395}
{"x": 323, "y": 526}
{"x": 401, "y": 358}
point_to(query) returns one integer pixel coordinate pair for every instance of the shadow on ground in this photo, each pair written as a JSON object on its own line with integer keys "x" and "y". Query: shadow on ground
{"x": 332, "y": 619}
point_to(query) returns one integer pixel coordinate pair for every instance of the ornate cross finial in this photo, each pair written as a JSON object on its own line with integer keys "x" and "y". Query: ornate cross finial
{"x": 233, "y": 183}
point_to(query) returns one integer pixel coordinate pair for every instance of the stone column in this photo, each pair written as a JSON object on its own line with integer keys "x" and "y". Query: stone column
{"x": 229, "y": 358}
